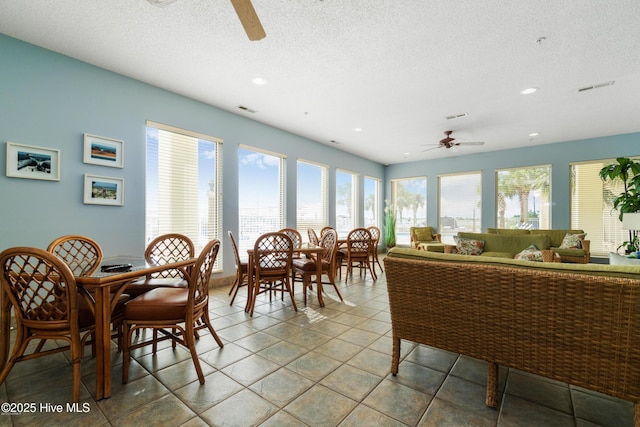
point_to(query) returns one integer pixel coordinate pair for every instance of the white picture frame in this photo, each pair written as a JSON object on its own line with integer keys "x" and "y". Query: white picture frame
{"x": 102, "y": 151}
{"x": 31, "y": 162}
{"x": 103, "y": 190}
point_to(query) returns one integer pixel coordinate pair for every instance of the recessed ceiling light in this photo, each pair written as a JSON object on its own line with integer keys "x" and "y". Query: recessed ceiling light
{"x": 534, "y": 134}
{"x": 529, "y": 90}
{"x": 357, "y": 129}
{"x": 259, "y": 81}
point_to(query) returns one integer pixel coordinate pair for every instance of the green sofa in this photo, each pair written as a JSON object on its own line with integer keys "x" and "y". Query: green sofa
{"x": 507, "y": 246}
{"x": 579, "y": 255}
{"x": 426, "y": 239}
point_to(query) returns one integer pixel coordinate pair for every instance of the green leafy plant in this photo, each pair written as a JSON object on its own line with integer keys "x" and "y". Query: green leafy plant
{"x": 389, "y": 225}
{"x": 627, "y": 171}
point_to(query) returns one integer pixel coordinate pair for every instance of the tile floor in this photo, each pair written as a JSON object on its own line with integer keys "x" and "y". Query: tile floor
{"x": 315, "y": 367}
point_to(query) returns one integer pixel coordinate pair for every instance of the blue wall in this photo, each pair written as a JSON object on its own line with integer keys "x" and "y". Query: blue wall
{"x": 50, "y": 100}
{"x": 558, "y": 155}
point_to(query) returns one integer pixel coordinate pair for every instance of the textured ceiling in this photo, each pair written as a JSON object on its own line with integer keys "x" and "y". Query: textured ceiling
{"x": 394, "y": 69}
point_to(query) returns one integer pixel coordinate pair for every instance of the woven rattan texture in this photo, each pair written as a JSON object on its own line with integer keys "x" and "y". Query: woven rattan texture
{"x": 169, "y": 248}
{"x": 575, "y": 328}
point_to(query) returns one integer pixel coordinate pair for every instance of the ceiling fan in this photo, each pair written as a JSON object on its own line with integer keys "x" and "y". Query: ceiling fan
{"x": 448, "y": 142}
{"x": 245, "y": 11}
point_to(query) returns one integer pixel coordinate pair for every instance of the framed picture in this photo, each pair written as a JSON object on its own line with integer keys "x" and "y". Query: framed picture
{"x": 103, "y": 151}
{"x": 25, "y": 161}
{"x": 102, "y": 190}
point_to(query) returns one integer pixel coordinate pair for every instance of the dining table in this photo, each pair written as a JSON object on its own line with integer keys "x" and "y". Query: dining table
{"x": 107, "y": 288}
{"x": 306, "y": 249}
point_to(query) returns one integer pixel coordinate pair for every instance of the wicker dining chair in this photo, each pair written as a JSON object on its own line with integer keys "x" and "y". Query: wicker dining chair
{"x": 83, "y": 256}
{"x": 242, "y": 277}
{"x": 165, "y": 248}
{"x": 174, "y": 312}
{"x": 42, "y": 290}
{"x": 272, "y": 256}
{"x": 325, "y": 228}
{"x": 358, "y": 251}
{"x": 375, "y": 237}
{"x": 313, "y": 237}
{"x": 296, "y": 238}
{"x": 307, "y": 267}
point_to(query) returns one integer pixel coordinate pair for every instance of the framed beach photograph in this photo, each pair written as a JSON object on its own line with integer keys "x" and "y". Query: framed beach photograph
{"x": 102, "y": 190}
{"x": 103, "y": 151}
{"x": 26, "y": 161}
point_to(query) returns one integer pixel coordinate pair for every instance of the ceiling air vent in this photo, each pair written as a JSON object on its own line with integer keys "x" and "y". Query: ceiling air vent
{"x": 247, "y": 109}
{"x": 599, "y": 85}
{"x": 457, "y": 116}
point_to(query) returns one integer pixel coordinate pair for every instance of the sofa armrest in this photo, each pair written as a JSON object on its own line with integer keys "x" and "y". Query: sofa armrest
{"x": 450, "y": 249}
{"x": 437, "y": 237}
{"x": 549, "y": 255}
{"x": 586, "y": 245}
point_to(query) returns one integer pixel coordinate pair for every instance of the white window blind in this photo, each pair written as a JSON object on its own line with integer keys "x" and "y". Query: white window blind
{"x": 372, "y": 206}
{"x": 460, "y": 204}
{"x": 261, "y": 194}
{"x": 312, "y": 198}
{"x": 592, "y": 209}
{"x": 409, "y": 198}
{"x": 346, "y": 209}
{"x": 523, "y": 196}
{"x": 183, "y": 185}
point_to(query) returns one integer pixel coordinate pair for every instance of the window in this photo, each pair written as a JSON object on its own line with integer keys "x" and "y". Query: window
{"x": 592, "y": 209}
{"x": 261, "y": 194}
{"x": 460, "y": 204}
{"x": 183, "y": 185}
{"x": 523, "y": 197}
{"x": 346, "y": 212}
{"x": 312, "y": 207}
{"x": 371, "y": 202}
{"x": 409, "y": 197}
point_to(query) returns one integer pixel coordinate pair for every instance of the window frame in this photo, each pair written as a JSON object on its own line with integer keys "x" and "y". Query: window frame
{"x": 324, "y": 198}
{"x": 213, "y": 211}
{"x": 447, "y": 237}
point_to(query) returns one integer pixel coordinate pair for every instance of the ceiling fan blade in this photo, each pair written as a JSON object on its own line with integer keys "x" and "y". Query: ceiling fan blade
{"x": 249, "y": 19}
{"x": 471, "y": 143}
{"x": 434, "y": 148}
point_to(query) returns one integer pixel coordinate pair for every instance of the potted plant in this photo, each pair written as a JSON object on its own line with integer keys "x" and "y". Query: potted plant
{"x": 389, "y": 225}
{"x": 627, "y": 171}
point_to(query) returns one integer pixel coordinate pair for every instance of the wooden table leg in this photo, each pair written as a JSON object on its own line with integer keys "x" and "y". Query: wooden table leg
{"x": 250, "y": 293}
{"x": 103, "y": 342}
{"x": 319, "y": 278}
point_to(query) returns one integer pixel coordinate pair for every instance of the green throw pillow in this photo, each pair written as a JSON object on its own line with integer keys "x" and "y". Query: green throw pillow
{"x": 424, "y": 234}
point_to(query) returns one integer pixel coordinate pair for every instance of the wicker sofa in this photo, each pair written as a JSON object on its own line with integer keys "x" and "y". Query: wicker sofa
{"x": 575, "y": 323}
{"x": 579, "y": 255}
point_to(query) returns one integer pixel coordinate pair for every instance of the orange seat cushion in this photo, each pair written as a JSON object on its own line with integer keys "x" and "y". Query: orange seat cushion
{"x": 158, "y": 304}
